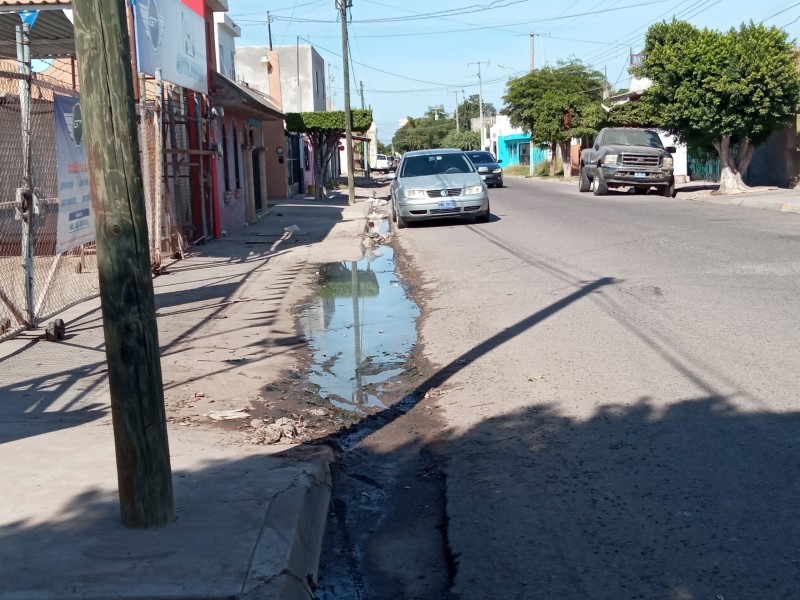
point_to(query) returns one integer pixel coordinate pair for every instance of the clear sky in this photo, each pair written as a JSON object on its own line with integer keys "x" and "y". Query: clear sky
{"x": 413, "y": 54}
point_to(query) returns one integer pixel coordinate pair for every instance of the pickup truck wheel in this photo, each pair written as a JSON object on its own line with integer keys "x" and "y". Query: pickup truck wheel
{"x": 668, "y": 190}
{"x": 599, "y": 186}
{"x": 584, "y": 183}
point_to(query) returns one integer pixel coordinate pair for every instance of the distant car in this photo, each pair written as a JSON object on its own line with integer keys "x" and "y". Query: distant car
{"x": 488, "y": 167}
{"x": 437, "y": 184}
{"x": 381, "y": 163}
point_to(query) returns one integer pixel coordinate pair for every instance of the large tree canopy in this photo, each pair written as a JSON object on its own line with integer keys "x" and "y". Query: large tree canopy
{"x": 727, "y": 91}
{"x": 436, "y": 130}
{"x": 325, "y": 129}
{"x": 556, "y": 104}
{"x": 422, "y": 132}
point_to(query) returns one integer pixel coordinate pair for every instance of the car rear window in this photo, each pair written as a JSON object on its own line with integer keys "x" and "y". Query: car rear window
{"x": 480, "y": 157}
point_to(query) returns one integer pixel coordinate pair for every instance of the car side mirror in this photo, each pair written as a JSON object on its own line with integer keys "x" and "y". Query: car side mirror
{"x": 483, "y": 169}
{"x": 597, "y": 146}
{"x": 500, "y": 161}
{"x": 671, "y": 149}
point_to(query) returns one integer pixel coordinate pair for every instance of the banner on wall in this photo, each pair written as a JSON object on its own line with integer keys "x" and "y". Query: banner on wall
{"x": 171, "y": 36}
{"x": 75, "y": 214}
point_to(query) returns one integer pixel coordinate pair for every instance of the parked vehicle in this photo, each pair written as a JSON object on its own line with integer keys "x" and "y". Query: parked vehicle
{"x": 488, "y": 167}
{"x": 437, "y": 184}
{"x": 381, "y": 164}
{"x": 627, "y": 157}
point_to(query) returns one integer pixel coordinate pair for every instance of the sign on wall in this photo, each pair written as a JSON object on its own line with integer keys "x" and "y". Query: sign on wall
{"x": 172, "y": 37}
{"x": 75, "y": 215}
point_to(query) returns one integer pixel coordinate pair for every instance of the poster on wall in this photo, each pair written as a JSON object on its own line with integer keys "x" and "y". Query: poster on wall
{"x": 172, "y": 37}
{"x": 75, "y": 215}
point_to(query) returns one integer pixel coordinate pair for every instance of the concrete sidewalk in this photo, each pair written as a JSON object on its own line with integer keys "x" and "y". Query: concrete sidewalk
{"x": 250, "y": 518}
{"x": 765, "y": 198}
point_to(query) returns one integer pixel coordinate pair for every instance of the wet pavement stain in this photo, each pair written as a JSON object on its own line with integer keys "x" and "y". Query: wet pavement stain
{"x": 361, "y": 328}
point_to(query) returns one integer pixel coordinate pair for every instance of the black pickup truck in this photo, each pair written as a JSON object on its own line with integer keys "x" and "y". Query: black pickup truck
{"x": 627, "y": 157}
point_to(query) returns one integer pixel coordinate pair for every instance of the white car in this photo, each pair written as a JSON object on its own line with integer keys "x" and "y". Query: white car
{"x": 382, "y": 163}
{"x": 437, "y": 184}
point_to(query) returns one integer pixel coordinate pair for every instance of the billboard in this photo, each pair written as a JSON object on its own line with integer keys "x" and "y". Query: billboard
{"x": 172, "y": 37}
{"x": 75, "y": 214}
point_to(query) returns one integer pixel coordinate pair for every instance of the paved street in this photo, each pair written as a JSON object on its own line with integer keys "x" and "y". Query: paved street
{"x": 619, "y": 381}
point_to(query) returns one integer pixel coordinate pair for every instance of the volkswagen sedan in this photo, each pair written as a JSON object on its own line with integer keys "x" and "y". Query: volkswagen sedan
{"x": 437, "y": 184}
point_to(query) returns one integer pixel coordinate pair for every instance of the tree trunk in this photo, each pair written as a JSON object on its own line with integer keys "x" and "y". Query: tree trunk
{"x": 731, "y": 169}
{"x": 553, "y": 154}
{"x": 324, "y": 144}
{"x": 566, "y": 158}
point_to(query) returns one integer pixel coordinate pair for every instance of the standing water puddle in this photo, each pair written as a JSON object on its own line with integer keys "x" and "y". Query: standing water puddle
{"x": 361, "y": 328}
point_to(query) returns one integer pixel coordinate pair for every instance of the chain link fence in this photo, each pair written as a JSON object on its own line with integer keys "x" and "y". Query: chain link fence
{"x": 34, "y": 286}
{"x": 33, "y": 289}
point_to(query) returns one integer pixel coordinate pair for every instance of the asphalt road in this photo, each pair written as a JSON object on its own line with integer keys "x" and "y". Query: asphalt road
{"x": 620, "y": 384}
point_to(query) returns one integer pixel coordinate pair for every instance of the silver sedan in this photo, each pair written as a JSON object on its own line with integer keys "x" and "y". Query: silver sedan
{"x": 437, "y": 184}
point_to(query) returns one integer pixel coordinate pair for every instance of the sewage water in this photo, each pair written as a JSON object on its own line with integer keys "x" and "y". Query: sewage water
{"x": 361, "y": 329}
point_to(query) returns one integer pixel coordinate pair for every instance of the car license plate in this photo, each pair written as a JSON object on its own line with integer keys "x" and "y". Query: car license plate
{"x": 447, "y": 204}
{"x": 640, "y": 175}
{"x": 483, "y": 177}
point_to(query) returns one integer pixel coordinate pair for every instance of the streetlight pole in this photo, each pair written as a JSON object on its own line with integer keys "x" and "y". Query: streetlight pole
{"x": 480, "y": 100}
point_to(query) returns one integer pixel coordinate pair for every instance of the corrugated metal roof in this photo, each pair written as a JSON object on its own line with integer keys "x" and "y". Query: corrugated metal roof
{"x": 23, "y": 4}
{"x": 52, "y": 35}
{"x": 227, "y": 92}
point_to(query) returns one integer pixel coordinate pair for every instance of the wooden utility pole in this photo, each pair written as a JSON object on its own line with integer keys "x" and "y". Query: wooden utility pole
{"x": 343, "y": 5}
{"x": 126, "y": 287}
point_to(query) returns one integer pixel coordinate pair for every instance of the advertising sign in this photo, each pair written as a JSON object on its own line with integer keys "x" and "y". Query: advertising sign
{"x": 172, "y": 37}
{"x": 75, "y": 215}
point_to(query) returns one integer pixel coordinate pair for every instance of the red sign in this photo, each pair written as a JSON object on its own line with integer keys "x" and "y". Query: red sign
{"x": 198, "y": 6}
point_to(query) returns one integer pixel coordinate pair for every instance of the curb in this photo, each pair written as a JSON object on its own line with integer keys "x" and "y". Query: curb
{"x": 298, "y": 539}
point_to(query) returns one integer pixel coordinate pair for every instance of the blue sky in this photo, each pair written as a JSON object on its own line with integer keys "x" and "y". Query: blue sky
{"x": 414, "y": 54}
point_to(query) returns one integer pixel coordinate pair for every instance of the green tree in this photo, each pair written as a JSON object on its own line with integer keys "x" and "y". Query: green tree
{"x": 556, "y": 104}
{"x": 384, "y": 148}
{"x": 464, "y": 140}
{"x": 470, "y": 109}
{"x": 728, "y": 91}
{"x": 325, "y": 130}
{"x": 422, "y": 132}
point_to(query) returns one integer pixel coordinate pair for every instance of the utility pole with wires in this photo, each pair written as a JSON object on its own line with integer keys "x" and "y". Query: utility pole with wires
{"x": 480, "y": 100}
{"x": 330, "y": 87}
{"x": 343, "y": 5}
{"x": 533, "y": 39}
{"x": 458, "y": 130}
{"x": 269, "y": 29}
{"x": 364, "y": 145}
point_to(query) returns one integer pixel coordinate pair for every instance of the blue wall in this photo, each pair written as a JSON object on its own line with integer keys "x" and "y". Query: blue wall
{"x": 510, "y": 147}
